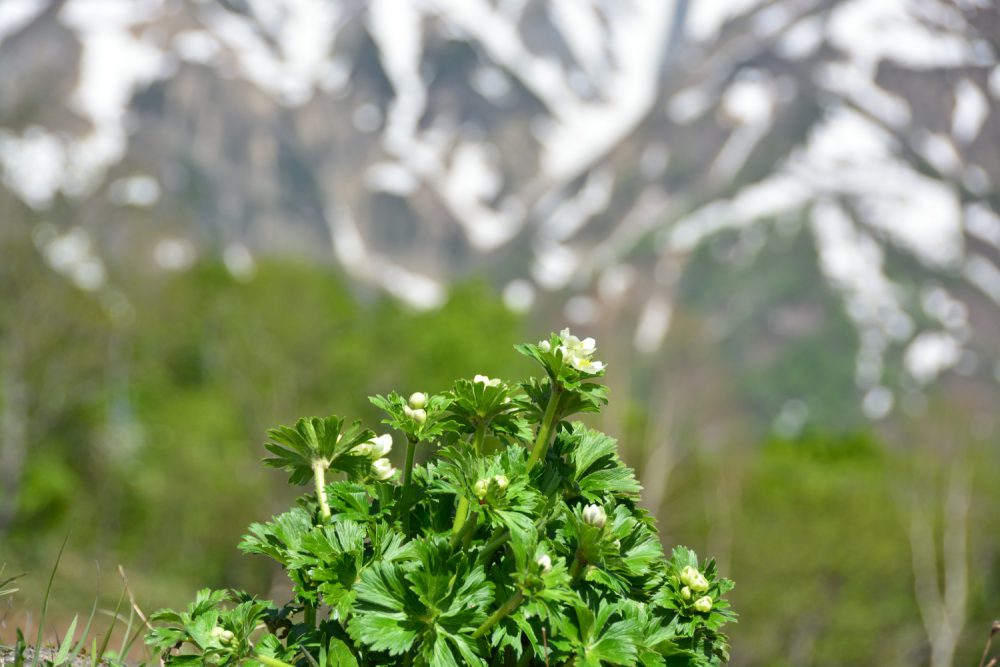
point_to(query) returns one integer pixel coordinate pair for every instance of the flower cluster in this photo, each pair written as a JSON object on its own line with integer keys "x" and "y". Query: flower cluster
{"x": 377, "y": 449}
{"x": 414, "y": 408}
{"x": 694, "y": 580}
{"x": 578, "y": 353}
{"x": 499, "y": 482}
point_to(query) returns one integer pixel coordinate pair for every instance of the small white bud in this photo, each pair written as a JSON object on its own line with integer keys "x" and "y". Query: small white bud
{"x": 227, "y": 637}
{"x": 481, "y": 488}
{"x": 699, "y": 583}
{"x": 686, "y": 593}
{"x": 544, "y": 346}
{"x": 381, "y": 445}
{"x": 618, "y": 544}
{"x": 687, "y": 575}
{"x": 418, "y": 400}
{"x": 545, "y": 563}
{"x": 364, "y": 449}
{"x": 382, "y": 469}
{"x": 217, "y": 631}
{"x": 502, "y": 482}
{"x": 703, "y": 604}
{"x": 419, "y": 415}
{"x": 408, "y": 411}
{"x": 595, "y": 516}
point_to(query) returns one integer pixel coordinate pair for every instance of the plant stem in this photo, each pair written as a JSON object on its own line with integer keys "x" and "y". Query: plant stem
{"x": 462, "y": 511}
{"x": 545, "y": 429}
{"x": 270, "y": 662}
{"x": 508, "y": 606}
{"x": 498, "y": 541}
{"x": 310, "y": 615}
{"x": 577, "y": 568}
{"x": 319, "y": 474}
{"x": 411, "y": 448}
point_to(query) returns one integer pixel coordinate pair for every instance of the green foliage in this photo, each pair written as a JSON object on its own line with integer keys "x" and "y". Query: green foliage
{"x": 519, "y": 543}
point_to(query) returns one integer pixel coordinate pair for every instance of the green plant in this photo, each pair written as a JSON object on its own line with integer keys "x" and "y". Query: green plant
{"x": 520, "y": 543}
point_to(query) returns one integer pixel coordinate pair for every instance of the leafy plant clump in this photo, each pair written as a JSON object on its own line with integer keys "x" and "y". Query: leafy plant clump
{"x": 521, "y": 542}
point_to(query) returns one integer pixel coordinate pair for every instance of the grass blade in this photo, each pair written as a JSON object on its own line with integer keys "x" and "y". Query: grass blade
{"x": 45, "y": 603}
{"x": 111, "y": 627}
{"x": 128, "y": 631}
{"x": 64, "y": 647}
{"x": 5, "y": 583}
{"x": 93, "y": 612}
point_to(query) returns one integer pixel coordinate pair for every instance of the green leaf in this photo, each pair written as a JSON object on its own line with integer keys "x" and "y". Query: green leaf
{"x": 327, "y": 439}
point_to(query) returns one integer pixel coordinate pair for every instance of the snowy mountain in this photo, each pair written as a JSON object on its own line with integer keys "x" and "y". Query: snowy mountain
{"x": 587, "y": 155}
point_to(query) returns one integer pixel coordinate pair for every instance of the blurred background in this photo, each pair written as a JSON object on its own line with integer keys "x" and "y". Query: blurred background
{"x": 778, "y": 217}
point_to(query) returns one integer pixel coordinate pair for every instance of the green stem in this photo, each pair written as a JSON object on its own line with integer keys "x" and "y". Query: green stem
{"x": 501, "y": 613}
{"x": 411, "y": 448}
{"x": 468, "y": 530}
{"x": 577, "y": 568}
{"x": 319, "y": 474}
{"x": 498, "y": 541}
{"x": 462, "y": 511}
{"x": 270, "y": 662}
{"x": 310, "y": 615}
{"x": 545, "y": 429}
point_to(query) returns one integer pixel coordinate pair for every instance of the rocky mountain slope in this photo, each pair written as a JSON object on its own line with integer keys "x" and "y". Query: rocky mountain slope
{"x": 793, "y": 170}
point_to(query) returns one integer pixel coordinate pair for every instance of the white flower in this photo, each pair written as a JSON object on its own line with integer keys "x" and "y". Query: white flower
{"x": 381, "y": 445}
{"x": 419, "y": 415}
{"x": 481, "y": 488}
{"x": 595, "y": 515}
{"x": 703, "y": 604}
{"x": 578, "y": 353}
{"x": 502, "y": 482}
{"x": 545, "y": 563}
{"x": 489, "y": 382}
{"x": 585, "y": 365}
{"x": 382, "y": 469}
{"x": 375, "y": 448}
{"x": 418, "y": 400}
{"x": 364, "y": 449}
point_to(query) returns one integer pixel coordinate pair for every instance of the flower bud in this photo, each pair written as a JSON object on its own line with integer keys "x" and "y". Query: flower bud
{"x": 382, "y": 469}
{"x": 544, "y": 346}
{"x": 687, "y": 575}
{"x": 699, "y": 583}
{"x": 686, "y": 593}
{"x": 703, "y": 604}
{"x": 618, "y": 544}
{"x": 481, "y": 488}
{"x": 227, "y": 637}
{"x": 595, "y": 515}
{"x": 408, "y": 411}
{"x": 381, "y": 445}
{"x": 545, "y": 563}
{"x": 502, "y": 482}
{"x": 417, "y": 400}
{"x": 419, "y": 415}
{"x": 364, "y": 449}
{"x": 217, "y": 631}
